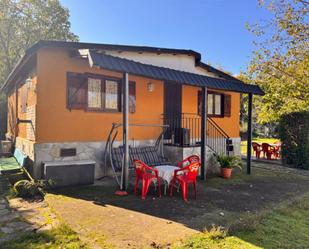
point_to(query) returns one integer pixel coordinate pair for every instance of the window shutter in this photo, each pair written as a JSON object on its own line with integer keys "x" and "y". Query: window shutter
{"x": 77, "y": 91}
{"x": 227, "y": 105}
{"x": 132, "y": 97}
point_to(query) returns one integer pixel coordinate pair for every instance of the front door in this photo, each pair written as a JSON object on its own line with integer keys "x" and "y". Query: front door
{"x": 172, "y": 107}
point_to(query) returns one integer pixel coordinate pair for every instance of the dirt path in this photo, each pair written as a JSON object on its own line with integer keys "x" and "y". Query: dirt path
{"x": 121, "y": 227}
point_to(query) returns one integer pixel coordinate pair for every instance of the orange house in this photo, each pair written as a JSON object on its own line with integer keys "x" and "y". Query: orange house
{"x": 63, "y": 98}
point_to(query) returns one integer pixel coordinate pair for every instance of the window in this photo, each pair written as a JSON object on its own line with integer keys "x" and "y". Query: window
{"x": 210, "y": 103}
{"x": 111, "y": 95}
{"x": 94, "y": 93}
{"x": 97, "y": 93}
{"x": 218, "y": 105}
{"x": 132, "y": 97}
{"x": 77, "y": 91}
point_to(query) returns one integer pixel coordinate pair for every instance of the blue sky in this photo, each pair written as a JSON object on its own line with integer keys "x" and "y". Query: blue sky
{"x": 215, "y": 28}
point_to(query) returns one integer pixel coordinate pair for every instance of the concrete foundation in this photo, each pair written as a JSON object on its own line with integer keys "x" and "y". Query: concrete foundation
{"x": 50, "y": 152}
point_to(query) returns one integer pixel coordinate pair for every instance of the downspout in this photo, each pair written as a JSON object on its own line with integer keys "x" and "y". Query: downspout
{"x": 16, "y": 113}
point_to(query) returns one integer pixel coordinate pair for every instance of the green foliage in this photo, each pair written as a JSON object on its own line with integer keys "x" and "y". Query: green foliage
{"x": 31, "y": 188}
{"x": 60, "y": 237}
{"x": 294, "y": 134}
{"x": 281, "y": 62}
{"x": 286, "y": 227}
{"x": 229, "y": 161}
{"x": 26, "y": 188}
{"x": 215, "y": 238}
{"x": 24, "y": 22}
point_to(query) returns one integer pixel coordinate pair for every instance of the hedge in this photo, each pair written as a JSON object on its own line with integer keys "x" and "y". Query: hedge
{"x": 294, "y": 135}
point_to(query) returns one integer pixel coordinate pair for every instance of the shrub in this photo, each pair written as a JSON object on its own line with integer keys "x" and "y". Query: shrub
{"x": 229, "y": 161}
{"x": 25, "y": 188}
{"x": 294, "y": 135}
{"x": 30, "y": 188}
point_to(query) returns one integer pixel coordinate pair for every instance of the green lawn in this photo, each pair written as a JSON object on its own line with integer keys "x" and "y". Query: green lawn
{"x": 243, "y": 144}
{"x": 56, "y": 238}
{"x": 285, "y": 227}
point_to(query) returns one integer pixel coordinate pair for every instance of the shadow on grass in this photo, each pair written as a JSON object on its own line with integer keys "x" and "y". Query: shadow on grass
{"x": 241, "y": 195}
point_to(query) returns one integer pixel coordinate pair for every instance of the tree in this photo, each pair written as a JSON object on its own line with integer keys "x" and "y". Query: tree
{"x": 24, "y": 22}
{"x": 281, "y": 60}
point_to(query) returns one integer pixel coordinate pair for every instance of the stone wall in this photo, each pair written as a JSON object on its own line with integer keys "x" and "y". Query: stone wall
{"x": 26, "y": 146}
{"x": 50, "y": 152}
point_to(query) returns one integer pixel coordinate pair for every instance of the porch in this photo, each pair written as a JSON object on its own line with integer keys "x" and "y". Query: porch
{"x": 182, "y": 131}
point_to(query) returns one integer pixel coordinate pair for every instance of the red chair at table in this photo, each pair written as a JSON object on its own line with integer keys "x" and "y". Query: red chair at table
{"x": 188, "y": 160}
{"x": 189, "y": 174}
{"x": 277, "y": 149}
{"x": 268, "y": 150}
{"x": 147, "y": 175}
{"x": 257, "y": 149}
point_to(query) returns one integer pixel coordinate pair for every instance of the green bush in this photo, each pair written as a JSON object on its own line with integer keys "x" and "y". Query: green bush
{"x": 229, "y": 161}
{"x": 294, "y": 135}
{"x": 26, "y": 188}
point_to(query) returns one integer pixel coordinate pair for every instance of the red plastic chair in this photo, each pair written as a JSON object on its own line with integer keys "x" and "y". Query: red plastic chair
{"x": 268, "y": 150}
{"x": 188, "y": 160}
{"x": 277, "y": 149}
{"x": 147, "y": 175}
{"x": 189, "y": 174}
{"x": 257, "y": 149}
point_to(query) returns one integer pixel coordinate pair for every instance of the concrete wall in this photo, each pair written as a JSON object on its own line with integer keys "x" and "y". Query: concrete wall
{"x": 26, "y": 146}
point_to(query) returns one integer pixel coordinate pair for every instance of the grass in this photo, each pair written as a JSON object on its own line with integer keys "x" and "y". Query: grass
{"x": 239, "y": 177}
{"x": 285, "y": 227}
{"x": 243, "y": 144}
{"x": 60, "y": 237}
{"x": 214, "y": 239}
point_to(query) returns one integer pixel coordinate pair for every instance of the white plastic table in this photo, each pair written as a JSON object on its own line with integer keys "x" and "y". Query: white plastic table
{"x": 166, "y": 172}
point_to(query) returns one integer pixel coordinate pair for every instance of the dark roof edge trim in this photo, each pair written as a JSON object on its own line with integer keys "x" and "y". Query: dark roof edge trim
{"x": 155, "y": 72}
{"x": 84, "y": 45}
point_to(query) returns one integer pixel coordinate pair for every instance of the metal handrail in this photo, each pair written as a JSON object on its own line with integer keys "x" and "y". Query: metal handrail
{"x": 186, "y": 127}
{"x": 218, "y": 127}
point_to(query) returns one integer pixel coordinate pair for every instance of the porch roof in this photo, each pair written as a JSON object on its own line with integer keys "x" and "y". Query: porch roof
{"x": 136, "y": 68}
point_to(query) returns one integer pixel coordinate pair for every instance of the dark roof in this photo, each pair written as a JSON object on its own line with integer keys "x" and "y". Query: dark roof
{"x": 102, "y": 46}
{"x": 136, "y": 68}
{"x": 96, "y": 46}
